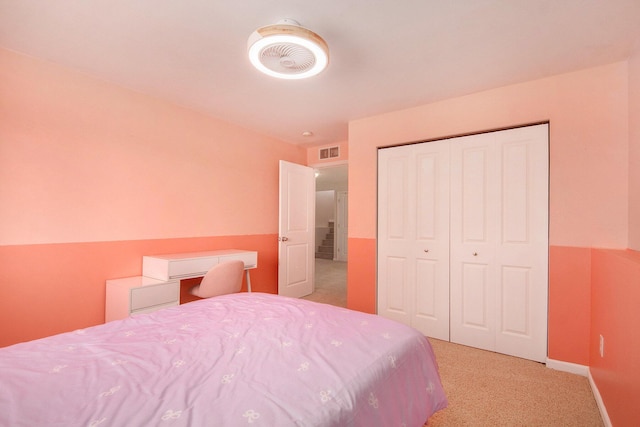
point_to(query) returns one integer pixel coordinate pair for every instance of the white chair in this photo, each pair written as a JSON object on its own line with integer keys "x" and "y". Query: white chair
{"x": 223, "y": 278}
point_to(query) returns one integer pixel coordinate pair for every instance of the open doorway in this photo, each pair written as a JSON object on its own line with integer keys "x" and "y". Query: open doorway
{"x": 331, "y": 236}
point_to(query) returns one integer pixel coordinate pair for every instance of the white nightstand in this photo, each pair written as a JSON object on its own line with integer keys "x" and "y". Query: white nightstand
{"x": 139, "y": 294}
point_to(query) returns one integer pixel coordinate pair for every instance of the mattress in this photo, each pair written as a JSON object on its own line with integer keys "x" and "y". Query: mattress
{"x": 242, "y": 359}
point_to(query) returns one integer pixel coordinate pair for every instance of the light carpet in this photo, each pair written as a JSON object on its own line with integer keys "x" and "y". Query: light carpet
{"x": 491, "y": 389}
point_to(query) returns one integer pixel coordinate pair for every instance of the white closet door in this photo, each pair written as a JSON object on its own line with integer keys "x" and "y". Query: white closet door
{"x": 522, "y": 253}
{"x": 431, "y": 242}
{"x": 413, "y": 237}
{"x": 395, "y": 184}
{"x": 474, "y": 207}
{"x": 499, "y": 241}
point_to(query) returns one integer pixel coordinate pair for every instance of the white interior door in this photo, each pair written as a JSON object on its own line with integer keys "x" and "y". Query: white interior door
{"x": 499, "y": 241}
{"x": 296, "y": 232}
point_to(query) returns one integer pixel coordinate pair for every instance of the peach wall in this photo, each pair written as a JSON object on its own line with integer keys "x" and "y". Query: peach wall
{"x": 634, "y": 149}
{"x": 615, "y": 296}
{"x": 51, "y": 288}
{"x": 93, "y": 176}
{"x": 588, "y": 115}
{"x": 84, "y": 160}
{"x": 361, "y": 278}
{"x": 569, "y": 304}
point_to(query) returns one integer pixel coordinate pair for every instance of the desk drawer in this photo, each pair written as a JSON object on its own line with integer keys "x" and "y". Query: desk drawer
{"x": 191, "y": 267}
{"x": 193, "y": 264}
{"x": 250, "y": 259}
{"x": 151, "y": 295}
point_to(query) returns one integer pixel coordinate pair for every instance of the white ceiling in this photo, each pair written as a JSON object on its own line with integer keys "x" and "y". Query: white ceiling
{"x": 385, "y": 55}
{"x": 332, "y": 178}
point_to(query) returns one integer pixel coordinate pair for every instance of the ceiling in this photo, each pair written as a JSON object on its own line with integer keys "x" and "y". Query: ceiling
{"x": 385, "y": 55}
{"x": 334, "y": 177}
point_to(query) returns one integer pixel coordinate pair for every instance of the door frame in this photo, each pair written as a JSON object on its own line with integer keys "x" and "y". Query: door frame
{"x": 342, "y": 225}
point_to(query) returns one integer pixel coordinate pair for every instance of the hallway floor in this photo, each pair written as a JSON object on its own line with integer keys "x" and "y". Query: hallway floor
{"x": 330, "y": 283}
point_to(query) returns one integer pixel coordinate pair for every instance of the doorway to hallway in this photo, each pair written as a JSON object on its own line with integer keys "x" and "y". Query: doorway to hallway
{"x": 330, "y": 283}
{"x": 330, "y": 277}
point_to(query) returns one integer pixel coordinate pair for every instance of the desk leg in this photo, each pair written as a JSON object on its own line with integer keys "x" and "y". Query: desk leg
{"x": 248, "y": 281}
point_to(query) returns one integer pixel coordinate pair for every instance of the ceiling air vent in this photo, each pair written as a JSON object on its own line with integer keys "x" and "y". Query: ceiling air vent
{"x": 329, "y": 152}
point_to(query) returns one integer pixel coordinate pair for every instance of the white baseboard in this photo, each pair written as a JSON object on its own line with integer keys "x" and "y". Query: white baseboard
{"x": 572, "y": 368}
{"x": 584, "y": 371}
{"x": 601, "y": 407}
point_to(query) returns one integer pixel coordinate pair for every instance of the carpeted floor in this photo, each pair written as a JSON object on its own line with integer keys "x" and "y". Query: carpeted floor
{"x": 491, "y": 389}
{"x": 485, "y": 388}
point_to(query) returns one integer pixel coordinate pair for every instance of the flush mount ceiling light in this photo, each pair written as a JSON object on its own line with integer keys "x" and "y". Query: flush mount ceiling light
{"x": 288, "y": 51}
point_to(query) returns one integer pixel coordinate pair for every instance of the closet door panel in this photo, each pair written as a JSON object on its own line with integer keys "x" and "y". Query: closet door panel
{"x": 477, "y": 325}
{"x": 522, "y": 250}
{"x": 395, "y": 235}
{"x": 426, "y": 292}
{"x": 474, "y": 192}
{"x": 473, "y": 236}
{"x": 396, "y": 191}
{"x": 396, "y": 293}
{"x": 431, "y": 298}
{"x": 427, "y": 202}
{"x": 514, "y": 250}
{"x": 516, "y": 295}
{"x": 431, "y": 243}
{"x": 475, "y": 306}
{"x": 413, "y": 216}
{"x": 515, "y": 194}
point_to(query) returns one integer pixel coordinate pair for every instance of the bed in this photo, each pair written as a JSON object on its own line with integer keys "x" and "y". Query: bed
{"x": 241, "y": 359}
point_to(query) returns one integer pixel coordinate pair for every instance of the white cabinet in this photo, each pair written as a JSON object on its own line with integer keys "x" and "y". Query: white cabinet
{"x": 135, "y": 295}
{"x": 463, "y": 239}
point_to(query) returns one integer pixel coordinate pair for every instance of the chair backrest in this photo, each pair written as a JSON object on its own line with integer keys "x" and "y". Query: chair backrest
{"x": 223, "y": 278}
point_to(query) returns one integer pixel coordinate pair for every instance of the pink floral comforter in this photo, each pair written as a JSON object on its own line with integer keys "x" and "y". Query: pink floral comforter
{"x": 242, "y": 359}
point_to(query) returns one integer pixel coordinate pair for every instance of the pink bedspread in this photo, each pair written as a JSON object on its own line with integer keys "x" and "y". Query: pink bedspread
{"x": 243, "y": 359}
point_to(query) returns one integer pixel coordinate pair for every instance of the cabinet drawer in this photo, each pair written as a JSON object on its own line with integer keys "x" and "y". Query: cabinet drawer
{"x": 193, "y": 267}
{"x": 154, "y": 308}
{"x": 151, "y": 295}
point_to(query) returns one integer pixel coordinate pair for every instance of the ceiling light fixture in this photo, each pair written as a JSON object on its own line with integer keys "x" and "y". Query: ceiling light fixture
{"x": 288, "y": 51}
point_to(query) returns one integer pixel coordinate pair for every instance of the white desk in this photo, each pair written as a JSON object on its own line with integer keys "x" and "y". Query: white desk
{"x": 159, "y": 285}
{"x": 195, "y": 264}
